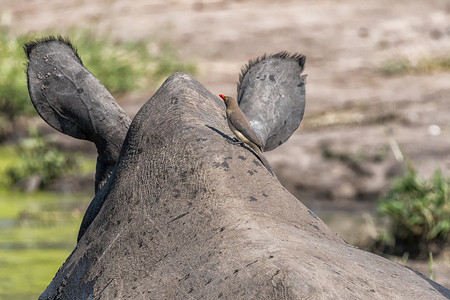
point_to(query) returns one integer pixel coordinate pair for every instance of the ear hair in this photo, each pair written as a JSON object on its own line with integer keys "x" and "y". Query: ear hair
{"x": 28, "y": 47}
{"x": 299, "y": 58}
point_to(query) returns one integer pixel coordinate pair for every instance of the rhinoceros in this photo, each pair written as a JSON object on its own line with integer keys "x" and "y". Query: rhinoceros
{"x": 181, "y": 213}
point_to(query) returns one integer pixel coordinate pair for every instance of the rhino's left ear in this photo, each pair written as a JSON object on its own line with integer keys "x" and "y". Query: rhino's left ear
{"x": 271, "y": 93}
{"x": 73, "y": 101}
{"x": 53, "y": 91}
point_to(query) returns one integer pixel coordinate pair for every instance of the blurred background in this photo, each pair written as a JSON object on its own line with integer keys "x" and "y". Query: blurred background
{"x": 371, "y": 157}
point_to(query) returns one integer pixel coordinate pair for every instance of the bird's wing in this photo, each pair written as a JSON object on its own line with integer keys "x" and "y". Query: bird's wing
{"x": 239, "y": 121}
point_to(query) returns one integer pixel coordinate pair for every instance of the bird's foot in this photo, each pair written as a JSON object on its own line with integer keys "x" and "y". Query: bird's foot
{"x": 235, "y": 141}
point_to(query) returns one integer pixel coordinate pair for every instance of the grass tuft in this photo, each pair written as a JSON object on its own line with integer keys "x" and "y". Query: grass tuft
{"x": 401, "y": 65}
{"x": 419, "y": 213}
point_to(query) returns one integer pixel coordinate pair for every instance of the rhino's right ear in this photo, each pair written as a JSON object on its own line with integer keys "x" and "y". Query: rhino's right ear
{"x": 73, "y": 101}
{"x": 271, "y": 93}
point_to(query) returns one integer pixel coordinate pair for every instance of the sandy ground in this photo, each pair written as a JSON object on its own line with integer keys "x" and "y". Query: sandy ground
{"x": 353, "y": 110}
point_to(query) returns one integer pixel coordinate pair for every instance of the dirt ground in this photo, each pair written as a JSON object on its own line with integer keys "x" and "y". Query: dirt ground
{"x": 342, "y": 156}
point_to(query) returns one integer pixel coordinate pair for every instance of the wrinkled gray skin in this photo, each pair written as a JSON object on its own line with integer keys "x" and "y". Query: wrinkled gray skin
{"x": 187, "y": 215}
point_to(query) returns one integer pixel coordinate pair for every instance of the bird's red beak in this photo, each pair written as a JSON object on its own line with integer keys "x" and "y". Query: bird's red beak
{"x": 221, "y": 96}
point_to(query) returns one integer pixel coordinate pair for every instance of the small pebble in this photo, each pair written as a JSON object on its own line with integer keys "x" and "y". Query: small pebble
{"x": 434, "y": 130}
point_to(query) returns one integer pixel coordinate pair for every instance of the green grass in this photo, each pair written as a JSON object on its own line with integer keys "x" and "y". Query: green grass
{"x": 401, "y": 65}
{"x": 87, "y": 166}
{"x": 419, "y": 212}
{"x": 35, "y": 156}
{"x": 127, "y": 66}
{"x": 8, "y": 157}
{"x": 14, "y": 97}
{"x": 121, "y": 66}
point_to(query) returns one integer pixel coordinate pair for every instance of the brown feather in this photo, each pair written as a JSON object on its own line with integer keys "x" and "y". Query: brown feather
{"x": 242, "y": 129}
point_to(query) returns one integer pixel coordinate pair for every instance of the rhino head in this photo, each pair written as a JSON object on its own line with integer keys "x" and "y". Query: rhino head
{"x": 181, "y": 213}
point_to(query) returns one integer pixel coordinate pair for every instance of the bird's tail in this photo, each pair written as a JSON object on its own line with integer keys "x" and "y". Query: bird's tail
{"x": 261, "y": 157}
